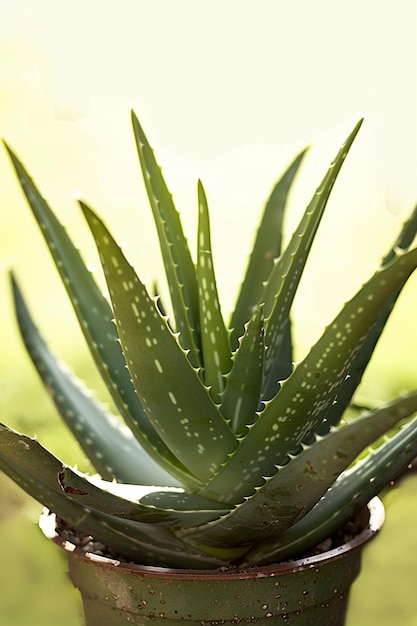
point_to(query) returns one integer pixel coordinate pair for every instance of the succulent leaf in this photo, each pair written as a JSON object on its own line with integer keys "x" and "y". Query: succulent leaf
{"x": 95, "y": 317}
{"x": 299, "y": 484}
{"x": 36, "y": 470}
{"x": 240, "y": 399}
{"x": 112, "y": 449}
{"x": 179, "y": 268}
{"x": 285, "y": 276}
{"x": 266, "y": 249}
{"x": 214, "y": 337}
{"x": 166, "y": 508}
{"x": 361, "y": 360}
{"x": 92, "y": 309}
{"x": 295, "y": 413}
{"x": 349, "y": 494}
{"x": 177, "y": 403}
{"x": 405, "y": 238}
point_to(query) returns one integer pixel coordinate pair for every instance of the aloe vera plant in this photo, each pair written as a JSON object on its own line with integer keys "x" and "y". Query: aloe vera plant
{"x": 232, "y": 454}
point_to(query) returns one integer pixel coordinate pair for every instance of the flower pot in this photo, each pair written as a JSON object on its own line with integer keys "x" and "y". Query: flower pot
{"x": 306, "y": 592}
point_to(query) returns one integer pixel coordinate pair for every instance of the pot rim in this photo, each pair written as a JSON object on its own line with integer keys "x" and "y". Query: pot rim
{"x": 376, "y": 519}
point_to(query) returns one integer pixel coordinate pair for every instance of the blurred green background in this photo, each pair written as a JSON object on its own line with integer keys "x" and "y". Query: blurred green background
{"x": 229, "y": 92}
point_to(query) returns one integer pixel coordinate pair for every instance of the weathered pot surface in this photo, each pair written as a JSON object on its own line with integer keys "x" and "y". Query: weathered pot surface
{"x": 307, "y": 592}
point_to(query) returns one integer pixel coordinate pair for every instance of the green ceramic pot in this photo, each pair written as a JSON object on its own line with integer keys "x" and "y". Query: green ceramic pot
{"x": 306, "y": 592}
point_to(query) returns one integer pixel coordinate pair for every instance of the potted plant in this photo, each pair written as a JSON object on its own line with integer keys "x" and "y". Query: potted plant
{"x": 244, "y": 485}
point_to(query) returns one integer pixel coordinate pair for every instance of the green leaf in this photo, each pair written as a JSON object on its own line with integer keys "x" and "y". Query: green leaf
{"x": 295, "y": 413}
{"x": 166, "y": 508}
{"x": 347, "y": 497}
{"x": 266, "y": 249}
{"x": 37, "y": 471}
{"x": 240, "y": 399}
{"x": 281, "y": 287}
{"x": 96, "y": 320}
{"x": 112, "y": 449}
{"x": 179, "y": 268}
{"x": 214, "y": 337}
{"x": 404, "y": 239}
{"x": 299, "y": 484}
{"x": 360, "y": 362}
{"x": 177, "y": 403}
